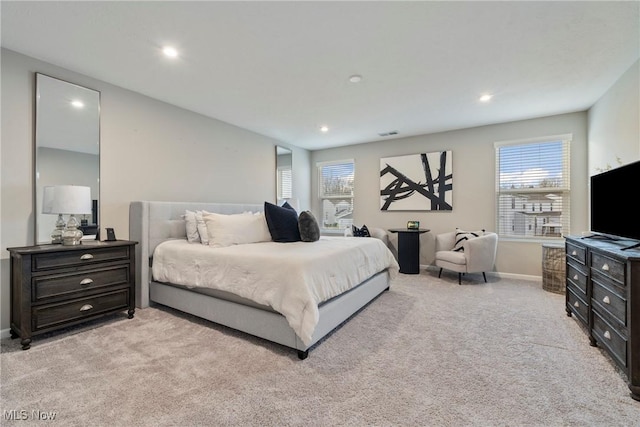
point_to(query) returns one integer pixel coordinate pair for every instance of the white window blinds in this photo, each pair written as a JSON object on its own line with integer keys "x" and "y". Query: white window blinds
{"x": 335, "y": 191}
{"x": 533, "y": 188}
{"x": 284, "y": 183}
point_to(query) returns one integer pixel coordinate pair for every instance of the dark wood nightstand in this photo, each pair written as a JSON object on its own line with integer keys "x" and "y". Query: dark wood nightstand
{"x": 409, "y": 249}
{"x": 53, "y": 286}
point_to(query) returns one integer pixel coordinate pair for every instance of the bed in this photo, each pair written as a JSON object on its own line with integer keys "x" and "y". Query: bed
{"x": 159, "y": 229}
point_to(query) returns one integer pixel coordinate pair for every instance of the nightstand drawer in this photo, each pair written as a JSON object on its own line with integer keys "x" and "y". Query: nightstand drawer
{"x": 577, "y": 277}
{"x": 609, "y": 267}
{"x": 55, "y": 314}
{"x": 88, "y": 256}
{"x": 578, "y": 253}
{"x": 609, "y": 300}
{"x": 610, "y": 338}
{"x": 58, "y": 285}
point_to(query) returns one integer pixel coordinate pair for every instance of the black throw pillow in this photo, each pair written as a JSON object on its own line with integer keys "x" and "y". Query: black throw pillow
{"x": 360, "y": 232}
{"x": 282, "y": 222}
{"x": 308, "y": 226}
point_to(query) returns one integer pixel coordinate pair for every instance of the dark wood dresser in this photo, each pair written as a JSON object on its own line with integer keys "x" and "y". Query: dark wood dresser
{"x": 53, "y": 286}
{"x": 603, "y": 291}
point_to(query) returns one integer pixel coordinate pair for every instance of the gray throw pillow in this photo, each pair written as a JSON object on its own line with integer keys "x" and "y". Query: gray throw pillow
{"x": 308, "y": 226}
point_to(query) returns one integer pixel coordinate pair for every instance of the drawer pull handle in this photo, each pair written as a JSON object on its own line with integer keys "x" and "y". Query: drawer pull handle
{"x": 605, "y": 267}
{"x": 575, "y": 277}
{"x": 86, "y": 307}
{"x": 607, "y": 335}
{"x": 574, "y": 253}
{"x": 576, "y": 304}
{"x": 606, "y": 299}
{"x": 86, "y": 256}
{"x": 86, "y": 281}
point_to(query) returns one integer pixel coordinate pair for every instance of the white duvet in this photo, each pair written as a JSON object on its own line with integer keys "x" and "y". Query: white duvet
{"x": 292, "y": 278}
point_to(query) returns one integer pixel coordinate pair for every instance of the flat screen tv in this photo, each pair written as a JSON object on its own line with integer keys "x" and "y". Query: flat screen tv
{"x": 614, "y": 199}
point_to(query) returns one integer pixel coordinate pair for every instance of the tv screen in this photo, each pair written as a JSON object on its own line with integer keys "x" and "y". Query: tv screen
{"x": 613, "y": 202}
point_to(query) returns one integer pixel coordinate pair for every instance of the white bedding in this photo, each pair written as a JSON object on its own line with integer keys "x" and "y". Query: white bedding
{"x": 292, "y": 278}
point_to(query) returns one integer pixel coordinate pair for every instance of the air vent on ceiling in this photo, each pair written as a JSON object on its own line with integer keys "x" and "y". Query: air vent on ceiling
{"x": 393, "y": 132}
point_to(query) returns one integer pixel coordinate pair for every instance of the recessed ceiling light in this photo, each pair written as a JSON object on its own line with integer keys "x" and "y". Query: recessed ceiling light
{"x": 77, "y": 104}
{"x": 324, "y": 128}
{"x": 486, "y": 98}
{"x": 170, "y": 51}
{"x": 356, "y": 78}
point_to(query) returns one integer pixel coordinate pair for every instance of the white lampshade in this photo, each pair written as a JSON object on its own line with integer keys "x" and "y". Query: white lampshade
{"x": 47, "y": 200}
{"x": 70, "y": 199}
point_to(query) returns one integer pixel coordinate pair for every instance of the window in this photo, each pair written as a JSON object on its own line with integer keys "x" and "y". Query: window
{"x": 532, "y": 188}
{"x": 335, "y": 191}
{"x": 284, "y": 183}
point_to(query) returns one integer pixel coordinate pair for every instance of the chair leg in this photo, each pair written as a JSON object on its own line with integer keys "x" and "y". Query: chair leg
{"x": 485, "y": 277}
{"x": 459, "y": 278}
{"x": 439, "y": 273}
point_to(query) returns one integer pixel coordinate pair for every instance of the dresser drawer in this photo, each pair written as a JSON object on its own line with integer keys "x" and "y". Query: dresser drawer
{"x": 578, "y": 253}
{"x": 609, "y": 300}
{"x": 610, "y": 338}
{"x": 578, "y": 277}
{"x": 609, "y": 267}
{"x": 59, "y": 285}
{"x": 55, "y": 314}
{"x": 88, "y": 256}
{"x": 577, "y": 305}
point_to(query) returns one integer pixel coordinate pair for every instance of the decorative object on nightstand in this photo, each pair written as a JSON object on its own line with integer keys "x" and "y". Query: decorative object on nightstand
{"x": 413, "y": 225}
{"x": 47, "y": 208}
{"x": 69, "y": 200}
{"x": 54, "y": 286}
{"x": 409, "y": 249}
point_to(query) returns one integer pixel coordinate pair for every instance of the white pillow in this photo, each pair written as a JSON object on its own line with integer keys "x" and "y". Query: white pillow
{"x": 202, "y": 227}
{"x": 236, "y": 229}
{"x": 462, "y": 236}
{"x": 191, "y": 226}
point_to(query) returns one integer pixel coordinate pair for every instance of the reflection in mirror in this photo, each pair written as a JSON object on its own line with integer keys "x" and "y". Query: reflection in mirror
{"x": 284, "y": 176}
{"x": 67, "y": 148}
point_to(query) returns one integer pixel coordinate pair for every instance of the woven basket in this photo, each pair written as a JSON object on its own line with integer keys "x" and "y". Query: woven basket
{"x": 553, "y": 268}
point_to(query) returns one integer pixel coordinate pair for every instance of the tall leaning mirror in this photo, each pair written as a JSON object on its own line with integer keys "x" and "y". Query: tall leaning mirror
{"x": 284, "y": 175}
{"x": 67, "y": 150}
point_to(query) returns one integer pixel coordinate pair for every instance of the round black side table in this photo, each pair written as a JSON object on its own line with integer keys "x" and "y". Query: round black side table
{"x": 409, "y": 249}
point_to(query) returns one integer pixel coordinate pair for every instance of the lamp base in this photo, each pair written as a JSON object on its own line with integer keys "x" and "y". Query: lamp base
{"x": 71, "y": 236}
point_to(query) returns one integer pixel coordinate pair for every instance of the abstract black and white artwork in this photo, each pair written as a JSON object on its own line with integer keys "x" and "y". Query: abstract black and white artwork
{"x": 417, "y": 182}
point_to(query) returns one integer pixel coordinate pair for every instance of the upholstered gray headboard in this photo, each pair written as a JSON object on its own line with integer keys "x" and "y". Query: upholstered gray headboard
{"x": 153, "y": 222}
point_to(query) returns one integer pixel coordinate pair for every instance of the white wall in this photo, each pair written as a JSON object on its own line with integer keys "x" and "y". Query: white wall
{"x": 473, "y": 183}
{"x": 150, "y": 150}
{"x": 614, "y": 124}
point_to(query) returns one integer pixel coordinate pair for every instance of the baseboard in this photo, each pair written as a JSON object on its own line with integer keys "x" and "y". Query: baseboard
{"x": 496, "y": 274}
{"x": 5, "y": 333}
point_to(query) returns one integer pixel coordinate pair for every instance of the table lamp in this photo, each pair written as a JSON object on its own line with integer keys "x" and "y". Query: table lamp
{"x": 68, "y": 200}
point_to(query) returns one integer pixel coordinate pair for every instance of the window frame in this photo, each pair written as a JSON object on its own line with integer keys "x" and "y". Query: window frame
{"x": 321, "y": 195}
{"x": 531, "y": 208}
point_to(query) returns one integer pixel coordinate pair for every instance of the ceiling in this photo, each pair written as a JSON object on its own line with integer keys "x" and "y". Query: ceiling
{"x": 282, "y": 69}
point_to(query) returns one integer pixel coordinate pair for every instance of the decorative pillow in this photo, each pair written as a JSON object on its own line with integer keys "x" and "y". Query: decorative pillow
{"x": 235, "y": 229}
{"x": 191, "y": 226}
{"x": 308, "y": 227}
{"x": 360, "y": 232}
{"x": 462, "y": 236}
{"x": 282, "y": 222}
{"x": 202, "y": 227}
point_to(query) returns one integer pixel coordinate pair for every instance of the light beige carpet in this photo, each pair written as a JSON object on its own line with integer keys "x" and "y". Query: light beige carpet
{"x": 428, "y": 352}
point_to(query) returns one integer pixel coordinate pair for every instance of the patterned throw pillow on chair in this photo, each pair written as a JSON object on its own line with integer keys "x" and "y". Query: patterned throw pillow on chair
{"x": 462, "y": 236}
{"x": 360, "y": 232}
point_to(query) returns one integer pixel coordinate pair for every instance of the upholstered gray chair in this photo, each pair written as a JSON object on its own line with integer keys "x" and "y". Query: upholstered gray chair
{"x": 467, "y": 254}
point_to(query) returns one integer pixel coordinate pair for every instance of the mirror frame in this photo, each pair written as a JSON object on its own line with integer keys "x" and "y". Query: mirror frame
{"x": 280, "y": 150}
{"x": 37, "y": 143}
